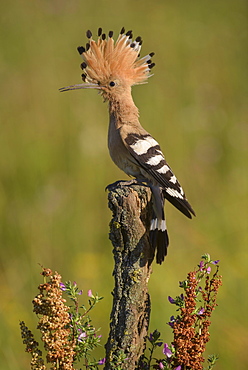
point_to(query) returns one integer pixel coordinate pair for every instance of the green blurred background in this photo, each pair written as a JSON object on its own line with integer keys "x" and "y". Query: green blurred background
{"x": 55, "y": 165}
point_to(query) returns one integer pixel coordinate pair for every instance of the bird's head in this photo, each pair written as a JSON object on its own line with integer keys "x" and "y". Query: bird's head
{"x": 113, "y": 67}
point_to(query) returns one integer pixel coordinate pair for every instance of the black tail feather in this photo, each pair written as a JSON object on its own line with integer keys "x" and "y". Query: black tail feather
{"x": 162, "y": 245}
{"x": 159, "y": 240}
{"x": 181, "y": 204}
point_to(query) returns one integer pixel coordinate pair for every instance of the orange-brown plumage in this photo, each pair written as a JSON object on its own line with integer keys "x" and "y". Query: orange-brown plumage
{"x": 106, "y": 59}
{"x": 113, "y": 68}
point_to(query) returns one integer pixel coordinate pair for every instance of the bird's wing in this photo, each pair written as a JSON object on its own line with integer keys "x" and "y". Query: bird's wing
{"x": 146, "y": 151}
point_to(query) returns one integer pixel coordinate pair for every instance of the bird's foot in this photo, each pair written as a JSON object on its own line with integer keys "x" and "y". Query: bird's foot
{"x": 123, "y": 183}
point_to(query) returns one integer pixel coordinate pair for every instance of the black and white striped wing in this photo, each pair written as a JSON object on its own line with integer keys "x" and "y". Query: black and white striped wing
{"x": 146, "y": 151}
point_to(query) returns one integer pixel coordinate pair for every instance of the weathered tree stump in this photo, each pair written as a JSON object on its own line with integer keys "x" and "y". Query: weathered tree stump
{"x": 129, "y": 233}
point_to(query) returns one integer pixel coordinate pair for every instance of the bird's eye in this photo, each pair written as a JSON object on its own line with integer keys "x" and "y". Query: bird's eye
{"x": 112, "y": 83}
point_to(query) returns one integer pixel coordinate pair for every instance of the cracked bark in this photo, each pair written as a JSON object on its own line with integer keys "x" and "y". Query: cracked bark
{"x": 129, "y": 234}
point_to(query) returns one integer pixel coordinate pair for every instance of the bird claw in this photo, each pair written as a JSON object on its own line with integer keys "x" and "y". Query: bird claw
{"x": 123, "y": 183}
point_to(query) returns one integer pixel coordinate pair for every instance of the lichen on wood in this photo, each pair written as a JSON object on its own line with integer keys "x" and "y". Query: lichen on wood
{"x": 129, "y": 233}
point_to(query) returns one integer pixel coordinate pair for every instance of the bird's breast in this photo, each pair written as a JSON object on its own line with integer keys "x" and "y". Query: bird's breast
{"x": 119, "y": 153}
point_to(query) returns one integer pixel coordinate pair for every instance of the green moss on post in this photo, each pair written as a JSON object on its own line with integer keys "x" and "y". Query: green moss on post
{"x": 129, "y": 231}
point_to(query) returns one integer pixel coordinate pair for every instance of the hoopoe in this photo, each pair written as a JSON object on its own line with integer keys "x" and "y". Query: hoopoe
{"x": 113, "y": 68}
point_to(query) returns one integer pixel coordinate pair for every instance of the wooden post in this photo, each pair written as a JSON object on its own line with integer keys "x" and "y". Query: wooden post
{"x": 129, "y": 231}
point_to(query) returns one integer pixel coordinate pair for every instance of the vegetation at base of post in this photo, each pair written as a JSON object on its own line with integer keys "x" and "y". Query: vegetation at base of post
{"x": 191, "y": 323}
{"x": 69, "y": 336}
{"x": 66, "y": 330}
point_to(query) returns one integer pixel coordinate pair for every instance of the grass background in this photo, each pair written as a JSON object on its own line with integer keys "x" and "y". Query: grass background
{"x": 54, "y": 162}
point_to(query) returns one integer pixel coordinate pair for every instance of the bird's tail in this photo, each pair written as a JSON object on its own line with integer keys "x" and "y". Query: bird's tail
{"x": 158, "y": 231}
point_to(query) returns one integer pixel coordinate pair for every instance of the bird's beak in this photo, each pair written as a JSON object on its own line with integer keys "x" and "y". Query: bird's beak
{"x": 81, "y": 86}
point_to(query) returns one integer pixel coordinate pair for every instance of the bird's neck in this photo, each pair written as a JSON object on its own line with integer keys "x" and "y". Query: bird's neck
{"x": 123, "y": 111}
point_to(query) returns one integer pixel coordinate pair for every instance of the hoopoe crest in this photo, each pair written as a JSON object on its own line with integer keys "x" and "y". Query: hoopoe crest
{"x": 113, "y": 68}
{"x": 109, "y": 64}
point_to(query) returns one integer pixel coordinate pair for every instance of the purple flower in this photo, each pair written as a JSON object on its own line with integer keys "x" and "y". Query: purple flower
{"x": 178, "y": 367}
{"x": 201, "y": 311}
{"x": 62, "y": 286}
{"x": 171, "y": 300}
{"x": 172, "y": 321}
{"x": 153, "y": 337}
{"x": 161, "y": 366}
{"x": 80, "y": 292}
{"x": 201, "y": 265}
{"x": 90, "y": 293}
{"x": 102, "y": 361}
{"x": 81, "y": 336}
{"x": 208, "y": 270}
{"x": 215, "y": 262}
{"x": 166, "y": 351}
